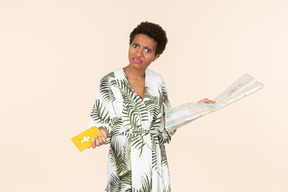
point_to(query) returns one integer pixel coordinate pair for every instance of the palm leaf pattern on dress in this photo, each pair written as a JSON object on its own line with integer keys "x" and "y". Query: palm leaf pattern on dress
{"x": 99, "y": 113}
{"x": 106, "y": 91}
{"x": 146, "y": 183}
{"x": 153, "y": 105}
{"x": 128, "y": 152}
{"x": 114, "y": 183}
{"x": 115, "y": 124}
{"x": 118, "y": 158}
{"x": 155, "y": 140}
{"x": 168, "y": 135}
{"x": 163, "y": 156}
{"x": 167, "y": 189}
{"x": 138, "y": 142}
{"x": 122, "y": 180}
{"x": 133, "y": 107}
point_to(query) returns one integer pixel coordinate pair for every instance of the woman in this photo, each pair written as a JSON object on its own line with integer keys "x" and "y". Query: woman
{"x": 130, "y": 113}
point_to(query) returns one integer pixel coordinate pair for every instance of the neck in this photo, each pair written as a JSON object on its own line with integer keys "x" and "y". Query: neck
{"x": 134, "y": 73}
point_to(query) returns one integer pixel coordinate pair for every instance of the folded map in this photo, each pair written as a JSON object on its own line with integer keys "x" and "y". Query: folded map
{"x": 183, "y": 114}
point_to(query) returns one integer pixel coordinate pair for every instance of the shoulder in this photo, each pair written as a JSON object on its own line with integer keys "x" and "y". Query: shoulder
{"x": 112, "y": 75}
{"x": 153, "y": 76}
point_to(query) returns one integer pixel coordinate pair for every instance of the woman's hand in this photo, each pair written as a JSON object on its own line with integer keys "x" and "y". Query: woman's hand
{"x": 100, "y": 139}
{"x": 205, "y": 100}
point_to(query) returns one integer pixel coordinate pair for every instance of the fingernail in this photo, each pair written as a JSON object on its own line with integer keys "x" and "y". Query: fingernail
{"x": 92, "y": 139}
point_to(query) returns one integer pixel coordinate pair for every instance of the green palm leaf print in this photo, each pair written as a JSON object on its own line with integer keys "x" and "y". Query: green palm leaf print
{"x": 99, "y": 113}
{"x": 105, "y": 89}
{"x": 122, "y": 180}
{"x": 133, "y": 106}
{"x": 115, "y": 124}
{"x": 146, "y": 183}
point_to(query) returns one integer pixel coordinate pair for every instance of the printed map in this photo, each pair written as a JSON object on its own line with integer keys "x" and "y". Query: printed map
{"x": 186, "y": 113}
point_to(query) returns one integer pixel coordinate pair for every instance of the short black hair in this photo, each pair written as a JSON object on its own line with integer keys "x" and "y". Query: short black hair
{"x": 154, "y": 31}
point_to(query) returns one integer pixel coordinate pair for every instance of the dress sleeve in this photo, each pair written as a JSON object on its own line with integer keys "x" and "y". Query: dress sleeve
{"x": 166, "y": 135}
{"x": 102, "y": 111}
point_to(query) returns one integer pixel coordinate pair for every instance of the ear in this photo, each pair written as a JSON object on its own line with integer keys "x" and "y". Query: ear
{"x": 156, "y": 57}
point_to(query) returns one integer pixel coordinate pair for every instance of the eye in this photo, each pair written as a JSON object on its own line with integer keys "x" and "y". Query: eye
{"x": 135, "y": 45}
{"x": 148, "y": 50}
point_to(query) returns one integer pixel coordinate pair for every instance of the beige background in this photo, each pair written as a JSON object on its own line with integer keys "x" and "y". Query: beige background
{"x": 53, "y": 54}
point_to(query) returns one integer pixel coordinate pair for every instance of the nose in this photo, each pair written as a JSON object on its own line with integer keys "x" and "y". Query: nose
{"x": 139, "y": 53}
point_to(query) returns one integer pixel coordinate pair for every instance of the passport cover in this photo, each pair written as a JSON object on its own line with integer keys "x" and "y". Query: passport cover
{"x": 84, "y": 139}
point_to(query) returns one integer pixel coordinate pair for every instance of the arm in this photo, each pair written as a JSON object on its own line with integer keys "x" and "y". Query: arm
{"x": 102, "y": 113}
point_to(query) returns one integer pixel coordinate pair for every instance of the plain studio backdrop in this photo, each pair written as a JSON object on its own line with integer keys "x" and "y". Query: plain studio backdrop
{"x": 54, "y": 53}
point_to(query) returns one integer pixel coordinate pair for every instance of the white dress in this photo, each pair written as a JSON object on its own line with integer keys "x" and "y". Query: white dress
{"x": 137, "y": 158}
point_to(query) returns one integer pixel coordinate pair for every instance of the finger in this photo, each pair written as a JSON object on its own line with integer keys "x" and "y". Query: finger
{"x": 204, "y": 100}
{"x": 100, "y": 142}
{"x": 101, "y": 138}
{"x": 104, "y": 132}
{"x": 97, "y": 141}
{"x": 105, "y": 139}
{"x": 209, "y": 101}
{"x": 93, "y": 143}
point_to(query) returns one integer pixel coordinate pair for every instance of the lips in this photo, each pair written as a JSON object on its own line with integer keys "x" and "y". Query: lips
{"x": 137, "y": 61}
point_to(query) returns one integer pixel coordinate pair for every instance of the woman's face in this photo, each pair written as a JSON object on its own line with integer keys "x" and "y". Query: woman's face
{"x": 142, "y": 52}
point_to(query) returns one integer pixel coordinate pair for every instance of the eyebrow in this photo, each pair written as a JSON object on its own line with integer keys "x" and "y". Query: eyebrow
{"x": 148, "y": 48}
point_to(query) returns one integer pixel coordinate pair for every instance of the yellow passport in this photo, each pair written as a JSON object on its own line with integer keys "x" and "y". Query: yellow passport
{"x": 84, "y": 139}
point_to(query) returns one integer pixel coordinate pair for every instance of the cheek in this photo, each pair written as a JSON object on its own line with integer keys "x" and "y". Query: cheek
{"x": 150, "y": 58}
{"x": 131, "y": 51}
{"x": 129, "y": 54}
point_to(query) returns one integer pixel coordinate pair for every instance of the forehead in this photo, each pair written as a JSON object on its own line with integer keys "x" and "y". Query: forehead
{"x": 145, "y": 40}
